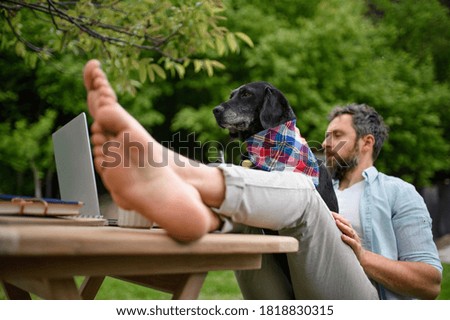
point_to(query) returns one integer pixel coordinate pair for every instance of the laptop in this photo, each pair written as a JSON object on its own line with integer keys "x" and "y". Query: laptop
{"x": 75, "y": 169}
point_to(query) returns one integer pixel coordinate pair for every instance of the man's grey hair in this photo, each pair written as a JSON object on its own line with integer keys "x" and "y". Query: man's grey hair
{"x": 365, "y": 121}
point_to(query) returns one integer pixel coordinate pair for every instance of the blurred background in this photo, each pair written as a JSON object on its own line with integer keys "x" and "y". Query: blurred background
{"x": 171, "y": 62}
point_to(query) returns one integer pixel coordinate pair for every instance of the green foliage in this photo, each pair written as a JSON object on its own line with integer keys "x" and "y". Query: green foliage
{"x": 151, "y": 37}
{"x": 27, "y": 146}
{"x": 166, "y": 60}
{"x": 211, "y": 137}
{"x": 198, "y": 120}
{"x": 328, "y": 53}
{"x": 44, "y": 46}
{"x": 418, "y": 35}
{"x": 30, "y": 142}
{"x": 422, "y": 28}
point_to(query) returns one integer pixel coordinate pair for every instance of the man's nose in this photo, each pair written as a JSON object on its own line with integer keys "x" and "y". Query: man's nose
{"x": 325, "y": 143}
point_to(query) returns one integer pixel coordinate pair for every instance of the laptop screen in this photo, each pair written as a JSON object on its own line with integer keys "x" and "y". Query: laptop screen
{"x": 74, "y": 165}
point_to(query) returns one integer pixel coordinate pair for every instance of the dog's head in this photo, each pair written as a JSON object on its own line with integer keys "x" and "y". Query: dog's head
{"x": 252, "y": 108}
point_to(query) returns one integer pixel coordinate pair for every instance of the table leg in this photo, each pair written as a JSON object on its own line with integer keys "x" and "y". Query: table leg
{"x": 182, "y": 286}
{"x": 90, "y": 286}
{"x": 52, "y": 289}
{"x": 14, "y": 293}
{"x": 190, "y": 288}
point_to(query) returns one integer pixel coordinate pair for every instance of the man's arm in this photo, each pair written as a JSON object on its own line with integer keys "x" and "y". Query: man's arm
{"x": 414, "y": 279}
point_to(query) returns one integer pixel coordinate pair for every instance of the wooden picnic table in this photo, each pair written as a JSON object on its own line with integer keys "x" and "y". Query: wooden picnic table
{"x": 44, "y": 258}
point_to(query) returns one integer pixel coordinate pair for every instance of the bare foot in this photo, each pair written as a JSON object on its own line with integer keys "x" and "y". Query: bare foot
{"x": 123, "y": 155}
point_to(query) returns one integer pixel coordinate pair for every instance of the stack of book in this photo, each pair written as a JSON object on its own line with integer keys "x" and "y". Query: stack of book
{"x": 23, "y": 205}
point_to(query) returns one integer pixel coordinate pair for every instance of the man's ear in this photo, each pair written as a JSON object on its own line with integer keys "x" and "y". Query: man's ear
{"x": 368, "y": 141}
{"x": 273, "y": 108}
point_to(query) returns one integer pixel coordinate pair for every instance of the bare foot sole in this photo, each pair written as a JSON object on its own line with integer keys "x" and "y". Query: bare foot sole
{"x": 123, "y": 154}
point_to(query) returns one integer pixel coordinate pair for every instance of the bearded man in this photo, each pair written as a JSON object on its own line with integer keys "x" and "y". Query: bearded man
{"x": 382, "y": 218}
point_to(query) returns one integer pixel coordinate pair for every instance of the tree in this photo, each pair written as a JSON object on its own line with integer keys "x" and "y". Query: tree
{"x": 392, "y": 55}
{"x": 327, "y": 53}
{"x": 422, "y": 30}
{"x": 136, "y": 41}
{"x": 139, "y": 38}
{"x": 28, "y": 146}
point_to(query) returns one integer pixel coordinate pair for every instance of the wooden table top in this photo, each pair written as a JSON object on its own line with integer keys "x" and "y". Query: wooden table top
{"x": 18, "y": 240}
{"x": 45, "y": 258}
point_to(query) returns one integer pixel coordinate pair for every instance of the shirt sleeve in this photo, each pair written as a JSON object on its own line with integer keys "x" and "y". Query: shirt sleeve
{"x": 412, "y": 226}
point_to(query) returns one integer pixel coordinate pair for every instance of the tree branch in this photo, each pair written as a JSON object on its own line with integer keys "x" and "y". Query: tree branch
{"x": 24, "y": 41}
{"x": 85, "y": 25}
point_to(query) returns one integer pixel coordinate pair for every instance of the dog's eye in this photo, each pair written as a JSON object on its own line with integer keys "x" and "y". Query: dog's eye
{"x": 245, "y": 94}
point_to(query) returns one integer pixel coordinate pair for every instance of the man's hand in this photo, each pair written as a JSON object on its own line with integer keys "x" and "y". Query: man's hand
{"x": 349, "y": 236}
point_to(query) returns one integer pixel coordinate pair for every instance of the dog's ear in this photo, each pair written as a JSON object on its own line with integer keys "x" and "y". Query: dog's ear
{"x": 275, "y": 109}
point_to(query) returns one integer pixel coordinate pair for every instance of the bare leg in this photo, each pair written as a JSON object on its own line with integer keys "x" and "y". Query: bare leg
{"x": 157, "y": 192}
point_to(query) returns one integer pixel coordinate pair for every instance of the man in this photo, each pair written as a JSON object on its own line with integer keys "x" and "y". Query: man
{"x": 189, "y": 199}
{"x": 382, "y": 218}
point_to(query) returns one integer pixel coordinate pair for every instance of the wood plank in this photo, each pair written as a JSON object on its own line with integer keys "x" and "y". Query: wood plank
{"x": 191, "y": 287}
{"x": 52, "y": 289}
{"x": 181, "y": 286}
{"x": 14, "y": 293}
{"x": 13, "y": 267}
{"x": 43, "y": 259}
{"x": 90, "y": 286}
{"x": 22, "y": 240}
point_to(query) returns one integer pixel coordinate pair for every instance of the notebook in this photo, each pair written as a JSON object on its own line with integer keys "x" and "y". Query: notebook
{"x": 75, "y": 169}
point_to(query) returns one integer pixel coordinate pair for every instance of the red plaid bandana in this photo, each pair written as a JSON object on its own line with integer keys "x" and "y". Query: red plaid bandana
{"x": 280, "y": 148}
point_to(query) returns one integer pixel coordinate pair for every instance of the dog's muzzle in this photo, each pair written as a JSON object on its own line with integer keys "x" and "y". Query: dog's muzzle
{"x": 218, "y": 114}
{"x": 218, "y": 110}
{"x": 229, "y": 119}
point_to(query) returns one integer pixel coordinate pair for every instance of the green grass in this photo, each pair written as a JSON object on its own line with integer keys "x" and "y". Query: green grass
{"x": 219, "y": 285}
{"x": 445, "y": 287}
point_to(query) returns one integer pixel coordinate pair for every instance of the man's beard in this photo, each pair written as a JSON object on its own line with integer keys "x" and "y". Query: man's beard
{"x": 339, "y": 167}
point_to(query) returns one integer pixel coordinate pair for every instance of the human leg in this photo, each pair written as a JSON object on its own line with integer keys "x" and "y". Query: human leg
{"x": 324, "y": 267}
{"x": 156, "y": 192}
{"x": 270, "y": 282}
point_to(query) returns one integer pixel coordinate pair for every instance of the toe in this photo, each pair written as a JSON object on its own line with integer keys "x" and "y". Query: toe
{"x": 90, "y": 66}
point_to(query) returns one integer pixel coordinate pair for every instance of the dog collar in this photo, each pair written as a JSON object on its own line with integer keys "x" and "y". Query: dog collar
{"x": 280, "y": 148}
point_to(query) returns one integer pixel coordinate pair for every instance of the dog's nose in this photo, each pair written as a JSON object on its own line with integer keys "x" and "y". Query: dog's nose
{"x": 217, "y": 110}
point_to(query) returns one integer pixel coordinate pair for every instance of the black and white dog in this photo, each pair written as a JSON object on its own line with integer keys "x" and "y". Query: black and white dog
{"x": 258, "y": 106}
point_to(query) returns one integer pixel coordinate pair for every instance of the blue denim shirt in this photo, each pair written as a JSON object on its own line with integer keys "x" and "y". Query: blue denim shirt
{"x": 395, "y": 222}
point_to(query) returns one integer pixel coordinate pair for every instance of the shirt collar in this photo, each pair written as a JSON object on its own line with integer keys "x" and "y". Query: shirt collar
{"x": 368, "y": 174}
